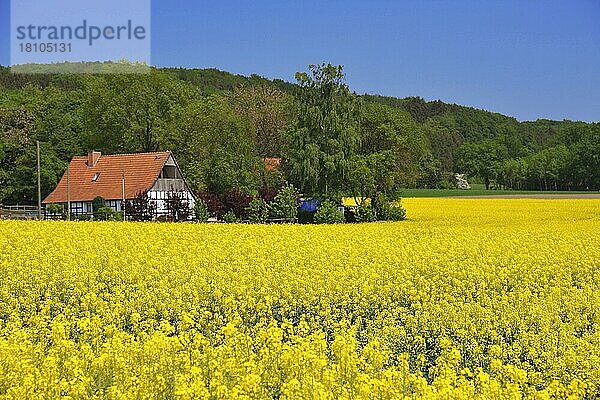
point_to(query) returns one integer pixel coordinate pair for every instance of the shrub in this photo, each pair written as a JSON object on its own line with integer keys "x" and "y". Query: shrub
{"x": 83, "y": 217}
{"x": 236, "y": 201}
{"x": 306, "y": 217}
{"x": 117, "y": 216}
{"x": 365, "y": 213}
{"x": 201, "y": 211}
{"x": 396, "y": 213}
{"x": 386, "y": 211}
{"x": 230, "y": 217}
{"x": 215, "y": 206}
{"x": 97, "y": 203}
{"x": 55, "y": 210}
{"x": 258, "y": 211}
{"x": 140, "y": 208}
{"x": 350, "y": 215}
{"x": 268, "y": 193}
{"x": 178, "y": 207}
{"x": 328, "y": 213}
{"x": 104, "y": 213}
{"x": 285, "y": 205}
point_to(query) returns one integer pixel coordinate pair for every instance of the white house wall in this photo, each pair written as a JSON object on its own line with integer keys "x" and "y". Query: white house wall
{"x": 158, "y": 197}
{"x": 159, "y": 191}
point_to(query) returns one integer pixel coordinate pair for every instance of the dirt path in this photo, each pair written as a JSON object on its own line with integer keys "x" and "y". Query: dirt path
{"x": 534, "y": 196}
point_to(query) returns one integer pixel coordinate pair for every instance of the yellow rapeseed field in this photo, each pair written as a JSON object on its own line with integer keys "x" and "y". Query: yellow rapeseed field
{"x": 467, "y": 299}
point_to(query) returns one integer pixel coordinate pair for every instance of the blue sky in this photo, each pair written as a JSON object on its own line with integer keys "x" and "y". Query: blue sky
{"x": 527, "y": 59}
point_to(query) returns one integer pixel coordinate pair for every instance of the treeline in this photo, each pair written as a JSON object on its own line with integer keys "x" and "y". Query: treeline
{"x": 332, "y": 142}
{"x": 505, "y": 153}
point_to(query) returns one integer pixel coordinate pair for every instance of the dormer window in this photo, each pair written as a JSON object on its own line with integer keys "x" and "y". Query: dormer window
{"x": 96, "y": 176}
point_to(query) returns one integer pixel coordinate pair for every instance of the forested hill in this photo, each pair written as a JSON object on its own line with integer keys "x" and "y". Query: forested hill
{"x": 209, "y": 80}
{"x": 220, "y": 125}
{"x": 450, "y": 126}
{"x": 474, "y": 124}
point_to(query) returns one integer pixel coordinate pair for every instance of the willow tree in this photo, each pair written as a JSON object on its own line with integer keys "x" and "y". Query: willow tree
{"x": 325, "y": 135}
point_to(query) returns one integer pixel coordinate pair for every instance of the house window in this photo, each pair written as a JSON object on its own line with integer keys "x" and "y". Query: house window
{"x": 96, "y": 176}
{"x": 114, "y": 204}
{"x": 77, "y": 208}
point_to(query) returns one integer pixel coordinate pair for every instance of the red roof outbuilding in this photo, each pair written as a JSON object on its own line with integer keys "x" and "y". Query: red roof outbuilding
{"x": 272, "y": 164}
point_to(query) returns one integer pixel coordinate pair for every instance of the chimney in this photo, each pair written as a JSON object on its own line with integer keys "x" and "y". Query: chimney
{"x": 93, "y": 157}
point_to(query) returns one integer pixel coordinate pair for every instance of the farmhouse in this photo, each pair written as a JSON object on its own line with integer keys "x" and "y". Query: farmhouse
{"x": 119, "y": 177}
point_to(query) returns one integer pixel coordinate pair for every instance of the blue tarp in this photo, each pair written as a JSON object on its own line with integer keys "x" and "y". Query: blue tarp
{"x": 309, "y": 205}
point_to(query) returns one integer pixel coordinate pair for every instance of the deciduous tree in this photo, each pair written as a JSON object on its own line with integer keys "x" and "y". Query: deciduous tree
{"x": 326, "y": 134}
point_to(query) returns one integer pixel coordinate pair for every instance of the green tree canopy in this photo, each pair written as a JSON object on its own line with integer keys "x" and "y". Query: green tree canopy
{"x": 484, "y": 159}
{"x": 325, "y": 135}
{"x": 216, "y": 148}
{"x": 267, "y": 109}
{"x": 131, "y": 113}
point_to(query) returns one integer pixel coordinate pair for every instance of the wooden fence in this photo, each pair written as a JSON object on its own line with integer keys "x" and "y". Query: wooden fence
{"x": 31, "y": 212}
{"x": 20, "y": 212}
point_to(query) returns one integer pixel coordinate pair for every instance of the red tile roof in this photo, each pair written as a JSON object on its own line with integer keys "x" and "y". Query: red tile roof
{"x": 140, "y": 170}
{"x": 272, "y": 164}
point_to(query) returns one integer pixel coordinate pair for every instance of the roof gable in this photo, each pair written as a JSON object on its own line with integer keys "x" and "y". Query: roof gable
{"x": 140, "y": 171}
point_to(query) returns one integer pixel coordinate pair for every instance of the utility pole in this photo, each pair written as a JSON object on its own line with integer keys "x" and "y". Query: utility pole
{"x": 69, "y": 192}
{"x": 123, "y": 200}
{"x": 39, "y": 181}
